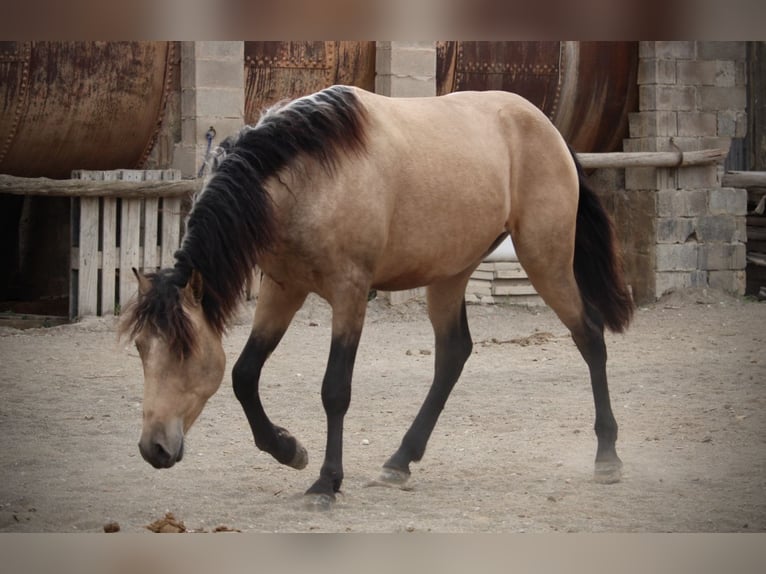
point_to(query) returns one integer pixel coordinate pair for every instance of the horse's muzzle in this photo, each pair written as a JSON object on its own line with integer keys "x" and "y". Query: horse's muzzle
{"x": 158, "y": 454}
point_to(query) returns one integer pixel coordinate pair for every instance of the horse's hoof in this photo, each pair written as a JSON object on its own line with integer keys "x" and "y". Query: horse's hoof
{"x": 319, "y": 502}
{"x": 607, "y": 472}
{"x": 391, "y": 477}
{"x": 301, "y": 458}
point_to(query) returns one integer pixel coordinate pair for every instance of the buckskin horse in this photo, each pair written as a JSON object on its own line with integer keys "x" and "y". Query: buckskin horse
{"x": 344, "y": 191}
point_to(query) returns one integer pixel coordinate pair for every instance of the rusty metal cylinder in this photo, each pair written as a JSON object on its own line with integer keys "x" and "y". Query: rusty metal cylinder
{"x": 80, "y": 105}
{"x": 586, "y": 88}
{"x": 276, "y": 71}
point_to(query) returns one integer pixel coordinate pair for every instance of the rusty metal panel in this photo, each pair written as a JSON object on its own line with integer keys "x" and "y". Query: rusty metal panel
{"x": 586, "y": 88}
{"x": 276, "y": 71}
{"x": 598, "y": 91}
{"x": 530, "y": 69}
{"x": 80, "y": 105}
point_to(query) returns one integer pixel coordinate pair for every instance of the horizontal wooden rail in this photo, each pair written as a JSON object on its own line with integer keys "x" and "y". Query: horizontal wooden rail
{"x": 187, "y": 187}
{"x": 744, "y": 179}
{"x": 652, "y": 158}
{"x": 85, "y": 188}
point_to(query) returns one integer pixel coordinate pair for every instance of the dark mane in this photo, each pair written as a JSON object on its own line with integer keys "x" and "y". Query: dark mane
{"x": 232, "y": 220}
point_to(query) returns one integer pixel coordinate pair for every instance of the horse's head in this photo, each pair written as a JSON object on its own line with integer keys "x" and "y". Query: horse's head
{"x": 182, "y": 357}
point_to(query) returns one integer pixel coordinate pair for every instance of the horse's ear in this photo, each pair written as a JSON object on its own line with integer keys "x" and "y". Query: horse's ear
{"x": 195, "y": 287}
{"x": 143, "y": 282}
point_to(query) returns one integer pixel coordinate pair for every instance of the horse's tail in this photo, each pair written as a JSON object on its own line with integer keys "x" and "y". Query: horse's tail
{"x": 597, "y": 262}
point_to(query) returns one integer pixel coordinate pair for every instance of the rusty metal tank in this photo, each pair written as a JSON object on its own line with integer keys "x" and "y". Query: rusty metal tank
{"x": 80, "y": 105}
{"x": 586, "y": 88}
{"x": 284, "y": 70}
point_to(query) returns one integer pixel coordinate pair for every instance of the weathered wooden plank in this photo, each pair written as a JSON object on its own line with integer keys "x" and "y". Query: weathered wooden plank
{"x": 87, "y": 279}
{"x": 744, "y": 179}
{"x": 518, "y": 289}
{"x": 88, "y": 254}
{"x": 130, "y": 232}
{"x": 171, "y": 230}
{"x": 108, "y": 255}
{"x": 131, "y": 175}
{"x": 483, "y": 275}
{"x": 86, "y": 188}
{"x": 151, "y": 217}
{"x": 652, "y": 158}
{"x": 517, "y": 273}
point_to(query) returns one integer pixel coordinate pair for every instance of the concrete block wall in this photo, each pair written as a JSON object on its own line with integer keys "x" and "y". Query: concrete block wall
{"x": 212, "y": 95}
{"x": 692, "y": 96}
{"x": 405, "y": 69}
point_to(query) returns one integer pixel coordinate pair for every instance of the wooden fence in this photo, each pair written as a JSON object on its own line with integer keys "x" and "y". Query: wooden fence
{"x": 111, "y": 235}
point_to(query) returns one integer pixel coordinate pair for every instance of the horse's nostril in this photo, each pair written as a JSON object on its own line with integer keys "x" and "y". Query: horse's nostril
{"x": 161, "y": 455}
{"x": 157, "y": 455}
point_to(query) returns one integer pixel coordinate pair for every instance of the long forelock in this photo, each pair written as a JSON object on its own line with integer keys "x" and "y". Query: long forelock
{"x": 160, "y": 312}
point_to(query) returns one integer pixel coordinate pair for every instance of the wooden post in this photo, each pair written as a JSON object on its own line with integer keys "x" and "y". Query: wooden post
{"x": 109, "y": 256}
{"x": 87, "y": 279}
{"x": 151, "y": 220}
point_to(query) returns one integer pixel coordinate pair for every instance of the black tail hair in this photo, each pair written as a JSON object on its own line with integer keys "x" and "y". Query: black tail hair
{"x": 597, "y": 262}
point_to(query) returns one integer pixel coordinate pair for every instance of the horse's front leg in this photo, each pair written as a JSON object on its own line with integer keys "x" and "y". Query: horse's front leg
{"x": 447, "y": 312}
{"x": 348, "y": 319}
{"x": 275, "y": 309}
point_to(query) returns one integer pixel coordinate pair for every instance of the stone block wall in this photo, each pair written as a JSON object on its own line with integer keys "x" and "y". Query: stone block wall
{"x": 692, "y": 96}
{"x": 212, "y": 95}
{"x": 405, "y": 69}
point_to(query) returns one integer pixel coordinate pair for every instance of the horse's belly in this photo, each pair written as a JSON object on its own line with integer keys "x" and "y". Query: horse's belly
{"x": 409, "y": 280}
{"x": 424, "y": 258}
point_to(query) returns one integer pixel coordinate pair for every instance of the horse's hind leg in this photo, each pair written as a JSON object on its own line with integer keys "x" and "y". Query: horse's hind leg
{"x": 550, "y": 272}
{"x": 588, "y": 335}
{"x": 275, "y": 309}
{"x": 446, "y": 310}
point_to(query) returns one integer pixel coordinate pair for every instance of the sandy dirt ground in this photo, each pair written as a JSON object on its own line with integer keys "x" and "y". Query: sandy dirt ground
{"x": 513, "y": 450}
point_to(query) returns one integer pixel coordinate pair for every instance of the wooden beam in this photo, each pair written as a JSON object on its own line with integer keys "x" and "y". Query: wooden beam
{"x": 652, "y": 158}
{"x": 85, "y": 188}
{"x": 744, "y": 179}
{"x": 187, "y": 187}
